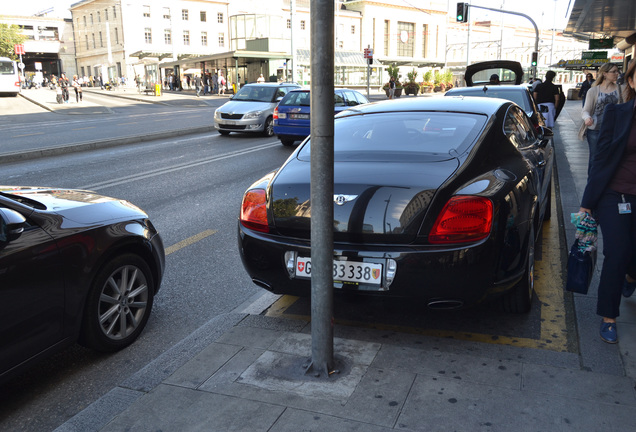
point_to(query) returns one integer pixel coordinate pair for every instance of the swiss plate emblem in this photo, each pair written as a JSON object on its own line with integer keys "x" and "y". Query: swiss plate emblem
{"x": 301, "y": 267}
{"x": 375, "y": 273}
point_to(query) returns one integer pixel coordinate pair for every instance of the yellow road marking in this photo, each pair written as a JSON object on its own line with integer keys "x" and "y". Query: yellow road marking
{"x": 189, "y": 241}
{"x": 548, "y": 288}
{"x": 31, "y": 134}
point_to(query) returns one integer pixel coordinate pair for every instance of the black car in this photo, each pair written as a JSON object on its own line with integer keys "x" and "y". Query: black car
{"x": 74, "y": 266}
{"x": 510, "y": 75}
{"x": 440, "y": 199}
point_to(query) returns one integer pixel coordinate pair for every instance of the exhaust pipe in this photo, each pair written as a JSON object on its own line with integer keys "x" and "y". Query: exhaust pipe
{"x": 445, "y": 304}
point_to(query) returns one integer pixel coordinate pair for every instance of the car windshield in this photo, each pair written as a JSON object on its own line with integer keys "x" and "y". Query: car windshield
{"x": 256, "y": 94}
{"x": 514, "y": 94}
{"x": 296, "y": 99}
{"x": 402, "y": 136}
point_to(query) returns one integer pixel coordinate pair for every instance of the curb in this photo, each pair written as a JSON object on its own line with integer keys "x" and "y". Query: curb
{"x": 98, "y": 144}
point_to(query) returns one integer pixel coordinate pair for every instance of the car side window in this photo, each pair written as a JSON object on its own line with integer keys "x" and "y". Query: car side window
{"x": 518, "y": 129}
{"x": 339, "y": 101}
{"x": 351, "y": 98}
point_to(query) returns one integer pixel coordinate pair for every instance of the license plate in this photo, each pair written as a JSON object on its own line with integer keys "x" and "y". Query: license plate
{"x": 229, "y": 122}
{"x": 299, "y": 116}
{"x": 345, "y": 271}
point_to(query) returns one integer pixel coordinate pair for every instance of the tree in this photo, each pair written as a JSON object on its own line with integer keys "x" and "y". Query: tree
{"x": 10, "y": 35}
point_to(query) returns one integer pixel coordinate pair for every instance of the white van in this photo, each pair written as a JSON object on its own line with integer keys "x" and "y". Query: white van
{"x": 9, "y": 76}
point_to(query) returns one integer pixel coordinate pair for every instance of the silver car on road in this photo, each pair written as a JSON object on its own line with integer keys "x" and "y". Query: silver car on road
{"x": 251, "y": 109}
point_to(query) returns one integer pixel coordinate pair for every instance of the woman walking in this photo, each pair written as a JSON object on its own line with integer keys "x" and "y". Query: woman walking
{"x": 603, "y": 92}
{"x": 611, "y": 194}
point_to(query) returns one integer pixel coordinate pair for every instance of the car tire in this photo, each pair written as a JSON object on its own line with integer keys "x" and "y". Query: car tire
{"x": 547, "y": 214}
{"x": 519, "y": 299}
{"x": 118, "y": 304}
{"x": 224, "y": 133}
{"x": 287, "y": 142}
{"x": 268, "y": 129}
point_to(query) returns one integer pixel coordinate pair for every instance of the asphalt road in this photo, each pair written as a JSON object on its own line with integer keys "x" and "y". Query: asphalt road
{"x": 191, "y": 187}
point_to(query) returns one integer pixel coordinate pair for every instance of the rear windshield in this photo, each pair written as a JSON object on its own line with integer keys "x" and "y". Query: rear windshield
{"x": 506, "y": 76}
{"x": 515, "y": 94}
{"x": 403, "y": 136}
{"x": 296, "y": 99}
{"x": 6, "y": 68}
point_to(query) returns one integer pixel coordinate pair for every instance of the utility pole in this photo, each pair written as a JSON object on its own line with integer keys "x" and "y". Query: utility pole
{"x": 322, "y": 175}
{"x": 292, "y": 13}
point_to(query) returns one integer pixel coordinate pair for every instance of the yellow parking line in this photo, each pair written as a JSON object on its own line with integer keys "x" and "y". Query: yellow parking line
{"x": 189, "y": 241}
{"x": 31, "y": 134}
{"x": 548, "y": 288}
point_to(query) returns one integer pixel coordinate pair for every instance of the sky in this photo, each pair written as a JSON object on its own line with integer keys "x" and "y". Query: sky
{"x": 541, "y": 11}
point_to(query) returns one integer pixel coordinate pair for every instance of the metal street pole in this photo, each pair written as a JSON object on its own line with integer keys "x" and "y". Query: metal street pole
{"x": 322, "y": 133}
{"x": 292, "y": 13}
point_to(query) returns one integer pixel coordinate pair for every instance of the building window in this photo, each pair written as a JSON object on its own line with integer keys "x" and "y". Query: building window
{"x": 186, "y": 37}
{"x": 82, "y": 71}
{"x": 424, "y": 40}
{"x": 340, "y": 45}
{"x": 406, "y": 39}
{"x": 184, "y": 14}
{"x": 167, "y": 36}
{"x": 99, "y": 17}
{"x": 302, "y": 24}
{"x": 148, "y": 35}
{"x": 92, "y": 19}
{"x": 116, "y": 36}
{"x": 101, "y": 40}
{"x": 114, "y": 12}
{"x": 106, "y": 14}
{"x": 288, "y": 23}
{"x": 86, "y": 42}
{"x": 93, "y": 34}
{"x": 146, "y": 11}
{"x": 221, "y": 40}
{"x": 353, "y": 29}
{"x": 219, "y": 17}
{"x": 204, "y": 16}
{"x": 387, "y": 37}
{"x": 166, "y": 13}
{"x": 204, "y": 38}
{"x": 84, "y": 20}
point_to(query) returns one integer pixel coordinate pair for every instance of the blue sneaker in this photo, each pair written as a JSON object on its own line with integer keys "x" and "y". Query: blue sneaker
{"x": 608, "y": 332}
{"x": 628, "y": 288}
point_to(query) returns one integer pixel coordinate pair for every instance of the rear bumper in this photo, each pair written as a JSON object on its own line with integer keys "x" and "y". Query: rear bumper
{"x": 463, "y": 275}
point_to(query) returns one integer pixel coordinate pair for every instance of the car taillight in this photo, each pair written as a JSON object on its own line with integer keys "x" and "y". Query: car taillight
{"x": 463, "y": 219}
{"x": 254, "y": 210}
{"x": 276, "y": 113}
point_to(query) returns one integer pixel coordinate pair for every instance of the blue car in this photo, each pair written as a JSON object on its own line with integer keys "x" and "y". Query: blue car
{"x": 292, "y": 115}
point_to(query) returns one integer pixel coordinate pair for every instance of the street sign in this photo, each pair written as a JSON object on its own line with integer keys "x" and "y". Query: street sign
{"x": 601, "y": 43}
{"x": 594, "y": 55}
{"x": 21, "y": 65}
{"x": 368, "y": 53}
{"x": 38, "y": 65}
{"x": 19, "y": 49}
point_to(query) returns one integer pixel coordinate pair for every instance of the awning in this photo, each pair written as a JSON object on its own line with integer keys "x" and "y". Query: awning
{"x": 583, "y": 64}
{"x": 341, "y": 58}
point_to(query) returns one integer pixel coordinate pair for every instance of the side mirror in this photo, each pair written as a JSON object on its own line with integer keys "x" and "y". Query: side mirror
{"x": 544, "y": 133}
{"x": 11, "y": 224}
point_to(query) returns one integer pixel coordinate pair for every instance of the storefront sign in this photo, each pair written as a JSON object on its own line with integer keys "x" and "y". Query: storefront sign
{"x": 594, "y": 55}
{"x": 601, "y": 43}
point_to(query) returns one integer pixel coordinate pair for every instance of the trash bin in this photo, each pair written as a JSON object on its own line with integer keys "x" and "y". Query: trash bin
{"x": 157, "y": 89}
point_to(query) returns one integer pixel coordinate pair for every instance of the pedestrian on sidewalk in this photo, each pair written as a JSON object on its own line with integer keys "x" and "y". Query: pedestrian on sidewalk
{"x": 78, "y": 89}
{"x": 586, "y": 86}
{"x": 546, "y": 95}
{"x": 391, "y": 87}
{"x": 610, "y": 195}
{"x": 197, "y": 84}
{"x": 63, "y": 82}
{"x": 603, "y": 92}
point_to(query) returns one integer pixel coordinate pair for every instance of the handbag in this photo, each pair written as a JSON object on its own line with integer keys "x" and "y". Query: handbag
{"x": 582, "y": 131}
{"x": 581, "y": 265}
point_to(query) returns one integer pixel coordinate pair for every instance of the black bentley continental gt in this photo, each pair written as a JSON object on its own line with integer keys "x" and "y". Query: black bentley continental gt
{"x": 74, "y": 266}
{"x": 439, "y": 199}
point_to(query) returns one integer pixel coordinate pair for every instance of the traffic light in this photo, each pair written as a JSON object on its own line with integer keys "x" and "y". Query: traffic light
{"x": 462, "y": 12}
{"x": 535, "y": 59}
